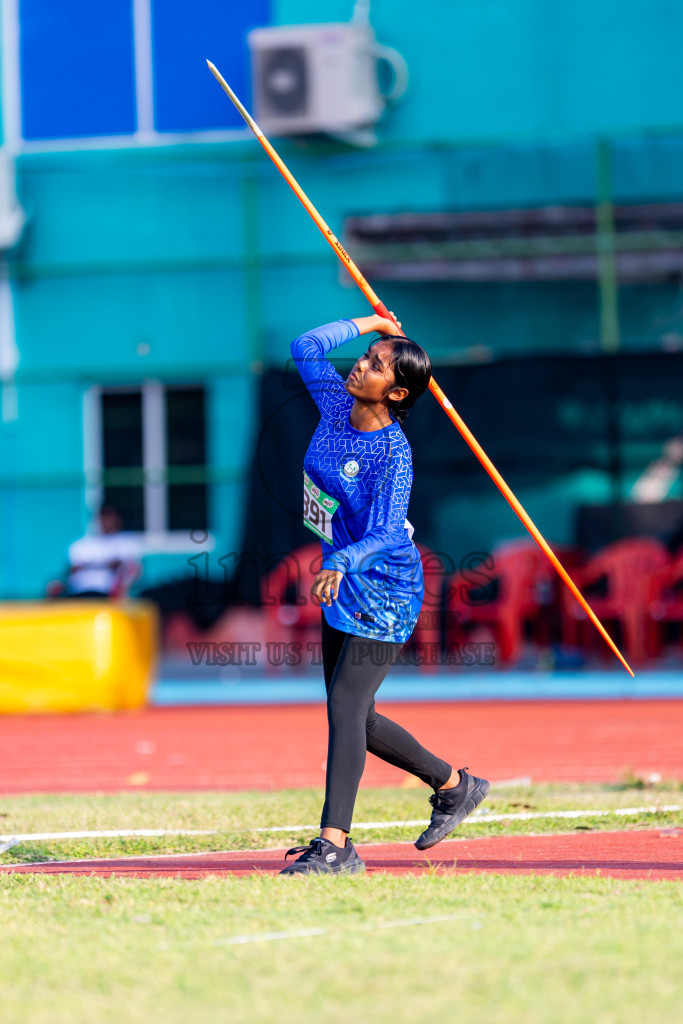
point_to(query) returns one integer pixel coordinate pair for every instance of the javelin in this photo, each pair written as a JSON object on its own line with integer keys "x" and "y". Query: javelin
{"x": 382, "y": 310}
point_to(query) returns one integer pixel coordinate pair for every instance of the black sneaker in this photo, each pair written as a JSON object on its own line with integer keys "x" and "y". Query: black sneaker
{"x": 451, "y": 806}
{"x": 321, "y": 857}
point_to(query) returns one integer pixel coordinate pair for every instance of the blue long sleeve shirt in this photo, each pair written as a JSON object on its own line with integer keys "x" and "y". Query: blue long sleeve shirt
{"x": 369, "y": 474}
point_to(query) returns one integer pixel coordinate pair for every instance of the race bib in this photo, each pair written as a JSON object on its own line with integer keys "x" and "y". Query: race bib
{"x": 318, "y": 510}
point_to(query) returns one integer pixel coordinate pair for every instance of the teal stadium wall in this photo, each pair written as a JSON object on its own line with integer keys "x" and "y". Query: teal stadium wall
{"x": 197, "y": 249}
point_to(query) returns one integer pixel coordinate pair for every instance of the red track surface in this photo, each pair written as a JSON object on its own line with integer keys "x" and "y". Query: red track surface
{"x": 279, "y": 747}
{"x": 651, "y": 855}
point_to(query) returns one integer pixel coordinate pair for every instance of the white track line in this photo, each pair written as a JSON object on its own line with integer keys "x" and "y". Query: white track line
{"x": 304, "y": 933}
{"x": 111, "y": 834}
{"x": 417, "y": 823}
{"x": 478, "y": 817}
{"x": 114, "y": 859}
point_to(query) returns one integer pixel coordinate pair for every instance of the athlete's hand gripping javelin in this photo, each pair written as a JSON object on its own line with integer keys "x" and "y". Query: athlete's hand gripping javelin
{"x": 381, "y": 324}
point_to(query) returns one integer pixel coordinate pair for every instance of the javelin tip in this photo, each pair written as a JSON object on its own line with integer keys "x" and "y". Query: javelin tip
{"x": 231, "y": 96}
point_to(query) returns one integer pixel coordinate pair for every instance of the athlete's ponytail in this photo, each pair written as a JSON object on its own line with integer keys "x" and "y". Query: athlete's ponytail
{"x": 412, "y": 369}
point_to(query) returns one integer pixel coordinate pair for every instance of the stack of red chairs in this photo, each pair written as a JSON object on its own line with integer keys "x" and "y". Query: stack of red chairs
{"x": 625, "y": 571}
{"x": 520, "y": 591}
{"x": 638, "y": 586}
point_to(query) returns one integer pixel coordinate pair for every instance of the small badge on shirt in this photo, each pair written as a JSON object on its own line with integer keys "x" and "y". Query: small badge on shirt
{"x": 351, "y": 468}
{"x": 365, "y": 618}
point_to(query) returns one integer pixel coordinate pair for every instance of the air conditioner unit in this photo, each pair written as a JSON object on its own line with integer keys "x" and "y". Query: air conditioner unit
{"x": 318, "y": 78}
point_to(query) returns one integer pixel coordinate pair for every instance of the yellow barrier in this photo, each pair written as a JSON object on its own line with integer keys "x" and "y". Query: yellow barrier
{"x": 76, "y": 655}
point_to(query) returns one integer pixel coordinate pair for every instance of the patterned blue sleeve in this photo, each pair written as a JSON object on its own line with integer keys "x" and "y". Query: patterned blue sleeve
{"x": 318, "y": 374}
{"x": 386, "y": 525}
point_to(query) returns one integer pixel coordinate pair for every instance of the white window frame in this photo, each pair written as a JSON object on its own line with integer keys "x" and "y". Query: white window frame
{"x": 144, "y": 75}
{"x": 155, "y": 538}
{"x": 146, "y": 134}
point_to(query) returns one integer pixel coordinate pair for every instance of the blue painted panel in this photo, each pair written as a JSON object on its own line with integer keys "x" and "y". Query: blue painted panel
{"x": 37, "y": 524}
{"x": 94, "y": 325}
{"x": 445, "y": 317}
{"x": 232, "y": 409}
{"x": 186, "y": 96}
{"x": 299, "y": 297}
{"x": 85, "y": 211}
{"x": 352, "y": 184}
{"x": 77, "y": 75}
{"x": 47, "y": 437}
{"x": 648, "y": 170}
{"x": 476, "y": 521}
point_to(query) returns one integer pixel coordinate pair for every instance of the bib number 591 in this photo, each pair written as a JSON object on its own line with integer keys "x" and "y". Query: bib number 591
{"x": 319, "y": 509}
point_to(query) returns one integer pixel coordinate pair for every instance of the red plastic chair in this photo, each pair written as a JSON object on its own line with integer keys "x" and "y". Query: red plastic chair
{"x": 522, "y": 581}
{"x": 626, "y": 568}
{"x": 666, "y": 601}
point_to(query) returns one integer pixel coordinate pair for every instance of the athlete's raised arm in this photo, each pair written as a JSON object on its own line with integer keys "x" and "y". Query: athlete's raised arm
{"x": 375, "y": 322}
{"x": 309, "y": 353}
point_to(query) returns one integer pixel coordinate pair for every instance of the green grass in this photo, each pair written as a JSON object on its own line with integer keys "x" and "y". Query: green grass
{"x": 535, "y": 949}
{"x": 231, "y": 814}
{"x": 531, "y": 949}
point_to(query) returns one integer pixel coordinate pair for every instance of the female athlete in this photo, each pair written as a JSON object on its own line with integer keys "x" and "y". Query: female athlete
{"x": 357, "y": 479}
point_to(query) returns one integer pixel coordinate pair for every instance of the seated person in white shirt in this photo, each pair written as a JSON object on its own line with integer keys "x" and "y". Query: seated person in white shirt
{"x": 103, "y": 564}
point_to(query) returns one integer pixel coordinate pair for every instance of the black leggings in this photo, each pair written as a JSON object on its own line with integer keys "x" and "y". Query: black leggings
{"x": 354, "y": 668}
